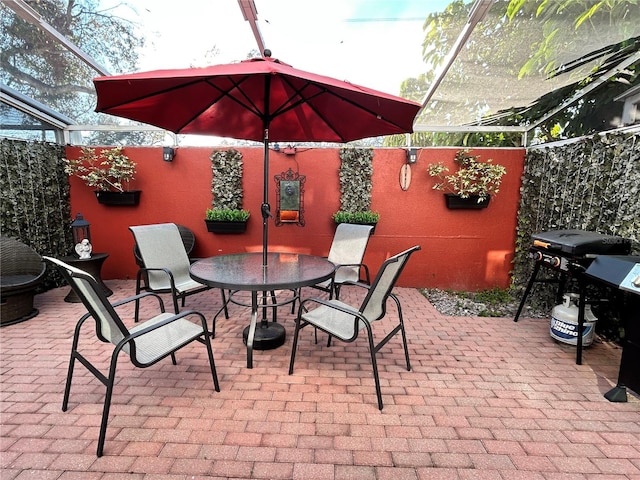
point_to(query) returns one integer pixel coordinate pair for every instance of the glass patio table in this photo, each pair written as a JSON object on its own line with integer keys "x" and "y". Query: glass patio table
{"x": 245, "y": 272}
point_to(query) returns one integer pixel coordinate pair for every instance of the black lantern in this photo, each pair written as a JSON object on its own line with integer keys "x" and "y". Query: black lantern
{"x": 80, "y": 228}
{"x": 168, "y": 153}
{"x": 412, "y": 155}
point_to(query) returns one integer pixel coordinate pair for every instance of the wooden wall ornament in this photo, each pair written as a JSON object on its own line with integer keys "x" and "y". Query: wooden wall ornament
{"x": 405, "y": 177}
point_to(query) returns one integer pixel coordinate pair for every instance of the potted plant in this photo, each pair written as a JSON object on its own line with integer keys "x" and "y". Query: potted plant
{"x": 110, "y": 171}
{"x": 367, "y": 218}
{"x": 356, "y": 171}
{"x": 472, "y": 185}
{"x": 225, "y": 220}
{"x": 226, "y": 214}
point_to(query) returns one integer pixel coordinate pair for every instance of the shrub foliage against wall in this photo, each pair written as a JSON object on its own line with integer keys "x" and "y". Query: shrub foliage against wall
{"x": 34, "y": 193}
{"x": 226, "y": 184}
{"x": 593, "y": 184}
{"x": 356, "y": 171}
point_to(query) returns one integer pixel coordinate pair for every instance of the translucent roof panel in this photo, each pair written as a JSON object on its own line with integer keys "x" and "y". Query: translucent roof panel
{"x": 469, "y": 73}
{"x": 510, "y": 62}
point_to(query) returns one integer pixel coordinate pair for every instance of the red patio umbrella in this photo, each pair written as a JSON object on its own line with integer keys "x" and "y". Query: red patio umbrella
{"x": 261, "y": 99}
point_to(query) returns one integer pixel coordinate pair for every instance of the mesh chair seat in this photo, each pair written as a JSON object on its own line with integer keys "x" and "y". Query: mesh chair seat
{"x": 159, "y": 343}
{"x": 339, "y": 319}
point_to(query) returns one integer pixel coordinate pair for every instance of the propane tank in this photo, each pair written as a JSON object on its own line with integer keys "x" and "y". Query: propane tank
{"x": 564, "y": 321}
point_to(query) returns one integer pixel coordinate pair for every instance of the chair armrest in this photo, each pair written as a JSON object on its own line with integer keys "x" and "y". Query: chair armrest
{"x": 358, "y": 284}
{"x": 359, "y": 265}
{"x": 166, "y": 321}
{"x": 124, "y": 301}
{"x": 336, "y": 304}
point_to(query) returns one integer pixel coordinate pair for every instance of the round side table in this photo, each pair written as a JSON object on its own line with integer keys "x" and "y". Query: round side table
{"x": 93, "y": 266}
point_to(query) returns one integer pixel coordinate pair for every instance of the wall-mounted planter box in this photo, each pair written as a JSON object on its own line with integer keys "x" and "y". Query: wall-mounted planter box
{"x": 221, "y": 226}
{"x": 455, "y": 202}
{"x": 128, "y": 198}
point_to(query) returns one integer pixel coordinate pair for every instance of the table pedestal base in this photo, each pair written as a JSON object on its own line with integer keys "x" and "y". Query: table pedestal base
{"x": 269, "y": 335}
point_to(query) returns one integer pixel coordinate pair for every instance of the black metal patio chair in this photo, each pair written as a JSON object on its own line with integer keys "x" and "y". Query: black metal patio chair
{"x": 344, "y": 322}
{"x": 145, "y": 344}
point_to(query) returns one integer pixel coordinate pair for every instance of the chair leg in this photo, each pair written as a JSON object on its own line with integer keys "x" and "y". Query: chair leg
{"x": 107, "y": 402}
{"x": 176, "y": 310}
{"x": 374, "y": 365}
{"x": 295, "y": 344}
{"x": 72, "y": 361}
{"x": 136, "y": 313}
{"x": 212, "y": 364}
{"x": 404, "y": 342}
{"x": 402, "y": 331}
{"x": 67, "y": 388}
{"x": 173, "y": 358}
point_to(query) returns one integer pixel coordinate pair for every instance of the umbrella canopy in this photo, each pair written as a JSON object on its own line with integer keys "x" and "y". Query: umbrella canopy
{"x": 241, "y": 100}
{"x": 261, "y": 99}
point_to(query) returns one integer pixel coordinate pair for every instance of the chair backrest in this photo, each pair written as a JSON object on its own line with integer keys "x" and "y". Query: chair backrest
{"x": 109, "y": 326}
{"x": 374, "y": 305}
{"x": 188, "y": 239}
{"x": 161, "y": 246}
{"x": 348, "y": 247}
{"x": 18, "y": 259}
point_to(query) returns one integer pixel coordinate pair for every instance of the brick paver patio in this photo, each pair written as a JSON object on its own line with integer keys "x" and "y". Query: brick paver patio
{"x": 487, "y": 398}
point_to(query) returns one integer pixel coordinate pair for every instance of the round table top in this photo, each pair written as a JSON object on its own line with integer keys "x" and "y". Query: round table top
{"x": 244, "y": 271}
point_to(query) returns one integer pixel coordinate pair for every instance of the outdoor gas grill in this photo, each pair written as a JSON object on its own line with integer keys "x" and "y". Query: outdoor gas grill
{"x": 623, "y": 273}
{"x": 570, "y": 252}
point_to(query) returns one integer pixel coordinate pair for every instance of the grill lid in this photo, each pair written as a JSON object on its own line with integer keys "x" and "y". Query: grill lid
{"x": 619, "y": 271}
{"x": 579, "y": 243}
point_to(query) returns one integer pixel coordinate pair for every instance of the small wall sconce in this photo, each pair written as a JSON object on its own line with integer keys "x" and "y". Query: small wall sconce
{"x": 412, "y": 155}
{"x": 168, "y": 153}
{"x": 80, "y": 229}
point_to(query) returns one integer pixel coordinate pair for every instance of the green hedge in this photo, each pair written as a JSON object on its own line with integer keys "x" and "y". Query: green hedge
{"x": 34, "y": 193}
{"x": 593, "y": 184}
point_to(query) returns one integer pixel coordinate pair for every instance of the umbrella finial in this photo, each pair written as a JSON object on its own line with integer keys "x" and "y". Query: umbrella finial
{"x": 267, "y": 52}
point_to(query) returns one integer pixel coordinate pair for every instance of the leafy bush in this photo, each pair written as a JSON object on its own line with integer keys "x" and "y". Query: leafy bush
{"x": 226, "y": 184}
{"x": 106, "y": 171}
{"x": 356, "y": 217}
{"x": 227, "y": 215}
{"x": 471, "y": 178}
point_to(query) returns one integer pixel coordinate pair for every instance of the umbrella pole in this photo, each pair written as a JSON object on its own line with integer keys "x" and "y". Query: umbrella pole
{"x": 266, "y": 208}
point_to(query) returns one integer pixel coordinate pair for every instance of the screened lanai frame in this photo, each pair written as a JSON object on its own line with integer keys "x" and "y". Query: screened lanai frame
{"x": 457, "y": 82}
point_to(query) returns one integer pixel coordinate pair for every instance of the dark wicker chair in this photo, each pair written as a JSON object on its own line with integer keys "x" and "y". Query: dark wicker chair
{"x": 21, "y": 270}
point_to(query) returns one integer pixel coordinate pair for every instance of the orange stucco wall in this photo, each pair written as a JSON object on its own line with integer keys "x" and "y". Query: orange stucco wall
{"x": 461, "y": 249}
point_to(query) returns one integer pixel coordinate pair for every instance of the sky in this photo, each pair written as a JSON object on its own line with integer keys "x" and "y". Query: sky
{"x": 375, "y": 43}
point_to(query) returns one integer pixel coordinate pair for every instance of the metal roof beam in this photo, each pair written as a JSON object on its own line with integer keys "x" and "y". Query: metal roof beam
{"x": 250, "y": 13}
{"x": 29, "y": 15}
{"x": 33, "y": 108}
{"x": 478, "y": 11}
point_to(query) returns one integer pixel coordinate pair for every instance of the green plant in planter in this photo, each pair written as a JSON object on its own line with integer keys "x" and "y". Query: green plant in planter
{"x": 227, "y": 215}
{"x": 107, "y": 171}
{"x": 356, "y": 171}
{"x": 226, "y": 187}
{"x": 367, "y": 217}
{"x": 472, "y": 177}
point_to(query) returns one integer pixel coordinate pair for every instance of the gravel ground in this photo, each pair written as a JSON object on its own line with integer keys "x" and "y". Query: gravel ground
{"x": 478, "y": 304}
